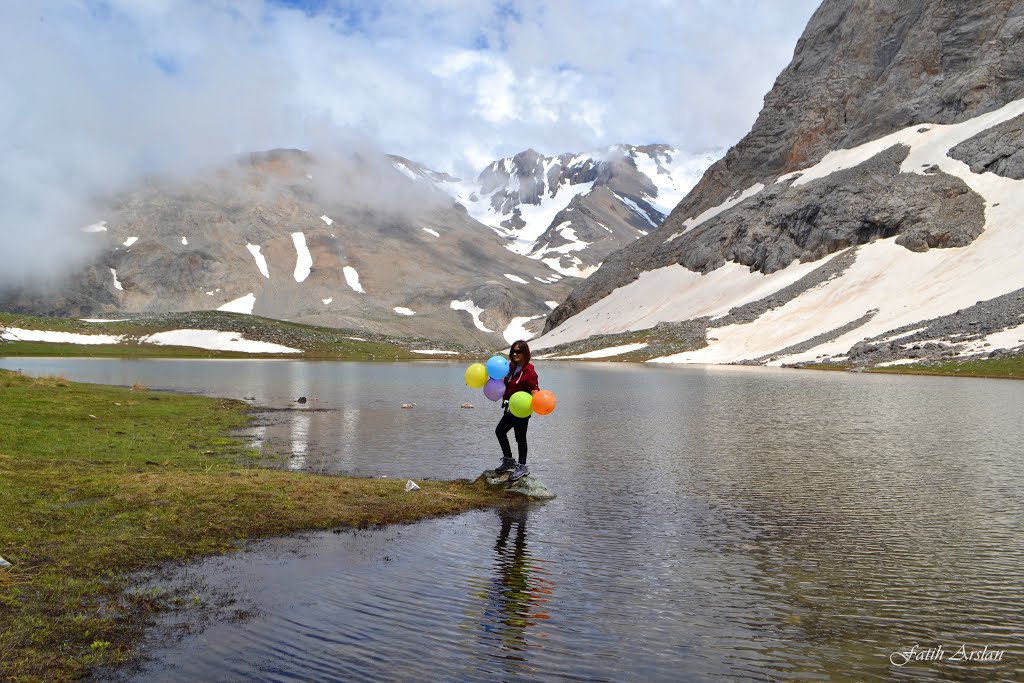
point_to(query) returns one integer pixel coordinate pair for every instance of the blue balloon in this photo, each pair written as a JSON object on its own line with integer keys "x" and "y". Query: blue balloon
{"x": 497, "y": 367}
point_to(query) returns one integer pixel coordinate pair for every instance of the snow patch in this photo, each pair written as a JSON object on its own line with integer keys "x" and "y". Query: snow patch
{"x": 435, "y": 233}
{"x": 654, "y": 297}
{"x": 516, "y": 278}
{"x": 184, "y": 240}
{"x": 635, "y": 208}
{"x": 243, "y": 304}
{"x": 473, "y": 310}
{"x": 406, "y": 171}
{"x": 516, "y": 330}
{"x": 130, "y": 241}
{"x": 261, "y": 261}
{"x": 606, "y": 352}
{"x": 215, "y": 341}
{"x": 352, "y": 278}
{"x": 673, "y": 174}
{"x": 327, "y": 300}
{"x": 577, "y": 269}
{"x": 303, "y": 260}
{"x": 117, "y": 283}
{"x": 326, "y": 219}
{"x": 18, "y": 334}
{"x": 1008, "y": 339}
{"x": 537, "y": 217}
{"x": 401, "y": 310}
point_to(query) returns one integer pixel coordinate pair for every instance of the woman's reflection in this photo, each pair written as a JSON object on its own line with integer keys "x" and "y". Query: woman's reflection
{"x": 519, "y": 588}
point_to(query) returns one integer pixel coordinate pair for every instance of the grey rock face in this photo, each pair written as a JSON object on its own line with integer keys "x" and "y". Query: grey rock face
{"x": 617, "y": 210}
{"x": 786, "y": 222}
{"x": 524, "y": 181}
{"x": 873, "y": 200}
{"x": 865, "y": 68}
{"x": 998, "y": 150}
{"x": 411, "y": 248}
{"x": 861, "y": 70}
{"x": 945, "y": 337}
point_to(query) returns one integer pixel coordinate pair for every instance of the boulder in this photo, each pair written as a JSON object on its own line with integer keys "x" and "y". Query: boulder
{"x": 529, "y": 486}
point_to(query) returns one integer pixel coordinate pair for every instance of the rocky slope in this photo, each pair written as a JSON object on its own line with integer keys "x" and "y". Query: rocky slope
{"x": 347, "y": 242}
{"x": 892, "y": 135}
{"x": 573, "y": 210}
{"x": 383, "y": 244}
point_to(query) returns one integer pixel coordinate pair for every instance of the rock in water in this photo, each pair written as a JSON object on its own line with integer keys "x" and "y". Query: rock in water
{"x": 529, "y": 486}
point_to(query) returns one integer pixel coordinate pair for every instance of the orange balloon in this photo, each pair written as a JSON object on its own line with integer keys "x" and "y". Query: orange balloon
{"x": 543, "y": 402}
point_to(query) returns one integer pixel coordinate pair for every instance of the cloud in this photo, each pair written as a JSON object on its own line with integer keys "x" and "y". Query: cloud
{"x": 106, "y": 91}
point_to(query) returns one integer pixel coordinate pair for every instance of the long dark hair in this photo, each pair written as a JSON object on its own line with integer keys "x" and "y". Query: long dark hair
{"x": 522, "y": 346}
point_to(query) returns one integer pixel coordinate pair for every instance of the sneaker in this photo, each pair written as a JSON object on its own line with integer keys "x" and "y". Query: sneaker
{"x": 519, "y": 472}
{"x": 505, "y": 466}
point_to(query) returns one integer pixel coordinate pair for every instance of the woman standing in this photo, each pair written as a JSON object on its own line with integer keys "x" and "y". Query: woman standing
{"x": 521, "y": 377}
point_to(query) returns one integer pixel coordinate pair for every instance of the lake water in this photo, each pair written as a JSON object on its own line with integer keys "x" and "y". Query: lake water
{"x": 711, "y": 524}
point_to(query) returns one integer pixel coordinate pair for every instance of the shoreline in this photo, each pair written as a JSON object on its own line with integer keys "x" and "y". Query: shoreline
{"x": 99, "y": 483}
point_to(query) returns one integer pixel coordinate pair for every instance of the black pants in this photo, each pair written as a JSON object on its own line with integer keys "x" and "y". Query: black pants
{"x": 519, "y": 424}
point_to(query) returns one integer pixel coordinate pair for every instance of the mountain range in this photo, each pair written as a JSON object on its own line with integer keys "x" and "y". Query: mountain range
{"x": 370, "y": 242}
{"x": 869, "y": 217}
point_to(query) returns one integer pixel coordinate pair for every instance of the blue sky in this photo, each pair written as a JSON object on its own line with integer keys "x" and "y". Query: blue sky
{"x": 106, "y": 90}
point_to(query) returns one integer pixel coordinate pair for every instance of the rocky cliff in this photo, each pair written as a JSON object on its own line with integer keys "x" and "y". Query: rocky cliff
{"x": 572, "y": 210}
{"x": 862, "y": 69}
{"x": 846, "y": 153}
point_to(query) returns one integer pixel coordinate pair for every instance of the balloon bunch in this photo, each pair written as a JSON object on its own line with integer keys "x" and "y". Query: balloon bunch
{"x": 490, "y": 377}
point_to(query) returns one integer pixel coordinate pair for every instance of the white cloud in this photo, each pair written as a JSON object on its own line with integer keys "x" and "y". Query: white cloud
{"x": 106, "y": 92}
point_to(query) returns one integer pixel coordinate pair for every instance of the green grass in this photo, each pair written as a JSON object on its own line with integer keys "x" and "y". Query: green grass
{"x": 1009, "y": 366}
{"x": 97, "y": 482}
{"x": 313, "y": 341}
{"x": 663, "y": 339}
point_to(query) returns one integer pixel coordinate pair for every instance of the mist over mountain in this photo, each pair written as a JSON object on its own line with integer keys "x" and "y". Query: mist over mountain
{"x": 363, "y": 240}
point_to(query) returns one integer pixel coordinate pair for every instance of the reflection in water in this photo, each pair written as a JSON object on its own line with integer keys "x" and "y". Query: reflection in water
{"x": 711, "y": 524}
{"x": 514, "y": 598}
{"x": 300, "y": 425}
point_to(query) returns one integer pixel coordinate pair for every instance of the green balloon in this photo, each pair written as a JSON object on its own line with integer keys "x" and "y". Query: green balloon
{"x": 521, "y": 404}
{"x": 476, "y": 375}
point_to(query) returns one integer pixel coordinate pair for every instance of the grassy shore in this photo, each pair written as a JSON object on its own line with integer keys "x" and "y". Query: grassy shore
{"x": 1006, "y": 366}
{"x": 97, "y": 482}
{"x": 311, "y": 341}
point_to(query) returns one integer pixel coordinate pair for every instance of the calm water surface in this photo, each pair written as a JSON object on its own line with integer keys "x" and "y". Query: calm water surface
{"x": 711, "y": 524}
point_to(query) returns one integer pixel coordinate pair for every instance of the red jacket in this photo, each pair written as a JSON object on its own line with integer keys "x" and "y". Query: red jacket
{"x": 522, "y": 381}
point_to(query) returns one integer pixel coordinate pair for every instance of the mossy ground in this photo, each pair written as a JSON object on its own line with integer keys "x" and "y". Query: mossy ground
{"x": 98, "y": 482}
{"x": 1005, "y": 366}
{"x": 313, "y": 342}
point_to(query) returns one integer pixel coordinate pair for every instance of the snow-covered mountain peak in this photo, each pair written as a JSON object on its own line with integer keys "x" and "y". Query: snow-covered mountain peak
{"x": 528, "y": 199}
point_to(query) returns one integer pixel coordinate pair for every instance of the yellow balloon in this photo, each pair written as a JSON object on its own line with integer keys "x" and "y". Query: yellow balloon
{"x": 476, "y": 375}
